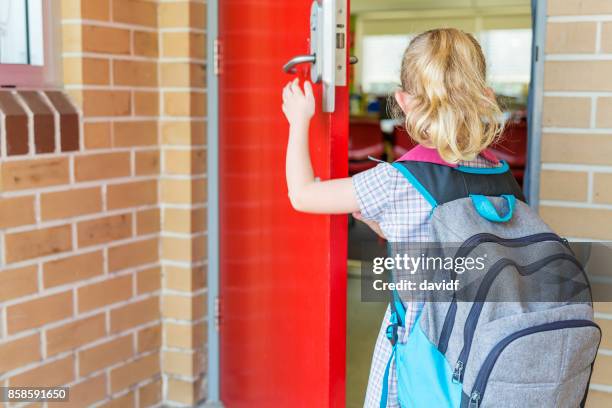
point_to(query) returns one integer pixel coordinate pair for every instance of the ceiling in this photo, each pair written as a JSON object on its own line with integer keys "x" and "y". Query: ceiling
{"x": 358, "y": 6}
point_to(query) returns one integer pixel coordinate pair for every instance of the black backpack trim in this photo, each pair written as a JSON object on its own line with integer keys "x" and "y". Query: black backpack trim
{"x": 444, "y": 184}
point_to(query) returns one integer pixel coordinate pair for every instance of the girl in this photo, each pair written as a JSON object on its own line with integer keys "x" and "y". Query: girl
{"x": 448, "y": 110}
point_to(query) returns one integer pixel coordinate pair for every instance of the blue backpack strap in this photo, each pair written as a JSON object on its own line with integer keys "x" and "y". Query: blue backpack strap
{"x": 398, "y": 318}
{"x": 398, "y": 311}
{"x": 416, "y": 183}
{"x": 505, "y": 167}
{"x": 384, "y": 396}
{"x": 397, "y": 307}
{"x": 487, "y": 210}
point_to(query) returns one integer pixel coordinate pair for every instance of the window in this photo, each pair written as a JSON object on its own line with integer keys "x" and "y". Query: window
{"x": 508, "y": 54}
{"x": 27, "y": 34}
{"x": 382, "y": 60}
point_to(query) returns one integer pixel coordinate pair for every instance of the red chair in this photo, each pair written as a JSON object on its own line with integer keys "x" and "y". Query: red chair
{"x": 402, "y": 142}
{"x": 365, "y": 139}
{"x": 512, "y": 146}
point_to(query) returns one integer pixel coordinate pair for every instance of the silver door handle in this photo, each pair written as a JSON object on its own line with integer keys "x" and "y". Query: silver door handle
{"x": 353, "y": 60}
{"x": 289, "y": 67}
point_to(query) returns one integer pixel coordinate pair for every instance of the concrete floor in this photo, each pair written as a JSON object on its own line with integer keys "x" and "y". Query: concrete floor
{"x": 363, "y": 324}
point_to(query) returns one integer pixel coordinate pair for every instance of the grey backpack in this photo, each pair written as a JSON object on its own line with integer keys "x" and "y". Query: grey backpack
{"x": 517, "y": 328}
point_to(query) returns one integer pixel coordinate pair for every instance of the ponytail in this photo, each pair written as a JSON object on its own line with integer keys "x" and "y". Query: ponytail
{"x": 444, "y": 71}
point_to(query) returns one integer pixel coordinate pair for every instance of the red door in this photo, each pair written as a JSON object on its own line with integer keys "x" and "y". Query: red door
{"x": 283, "y": 273}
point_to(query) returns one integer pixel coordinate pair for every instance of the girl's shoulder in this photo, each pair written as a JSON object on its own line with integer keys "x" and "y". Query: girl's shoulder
{"x": 377, "y": 188}
{"x": 383, "y": 174}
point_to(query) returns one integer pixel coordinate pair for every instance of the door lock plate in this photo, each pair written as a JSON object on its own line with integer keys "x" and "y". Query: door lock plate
{"x": 328, "y": 48}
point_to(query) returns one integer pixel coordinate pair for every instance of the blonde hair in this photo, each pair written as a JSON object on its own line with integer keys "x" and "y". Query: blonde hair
{"x": 444, "y": 71}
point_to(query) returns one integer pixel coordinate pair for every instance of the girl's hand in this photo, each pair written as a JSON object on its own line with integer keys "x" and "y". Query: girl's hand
{"x": 298, "y": 106}
{"x": 307, "y": 195}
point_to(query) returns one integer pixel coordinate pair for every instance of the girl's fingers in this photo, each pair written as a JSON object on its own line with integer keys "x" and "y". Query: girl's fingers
{"x": 295, "y": 86}
{"x": 308, "y": 89}
{"x": 286, "y": 90}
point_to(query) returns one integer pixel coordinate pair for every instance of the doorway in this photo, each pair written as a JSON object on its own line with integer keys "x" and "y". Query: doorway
{"x": 381, "y": 31}
{"x": 271, "y": 258}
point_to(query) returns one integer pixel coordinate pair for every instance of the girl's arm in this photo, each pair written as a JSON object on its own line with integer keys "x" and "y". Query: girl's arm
{"x": 307, "y": 195}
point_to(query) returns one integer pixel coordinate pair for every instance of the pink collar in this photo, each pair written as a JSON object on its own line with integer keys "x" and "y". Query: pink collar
{"x": 425, "y": 154}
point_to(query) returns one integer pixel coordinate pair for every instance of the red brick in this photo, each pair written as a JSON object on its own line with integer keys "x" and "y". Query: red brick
{"x": 39, "y": 311}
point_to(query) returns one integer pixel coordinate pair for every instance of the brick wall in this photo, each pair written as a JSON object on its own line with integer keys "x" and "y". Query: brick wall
{"x": 577, "y": 141}
{"x": 182, "y": 64}
{"x": 102, "y": 210}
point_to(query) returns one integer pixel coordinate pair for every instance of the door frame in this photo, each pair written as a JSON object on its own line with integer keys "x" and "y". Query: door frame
{"x": 212, "y": 173}
{"x": 534, "y": 106}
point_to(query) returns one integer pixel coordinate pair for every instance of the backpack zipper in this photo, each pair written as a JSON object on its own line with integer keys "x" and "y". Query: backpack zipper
{"x": 474, "y": 400}
{"x": 471, "y": 321}
{"x": 480, "y": 385}
{"x": 467, "y": 247}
